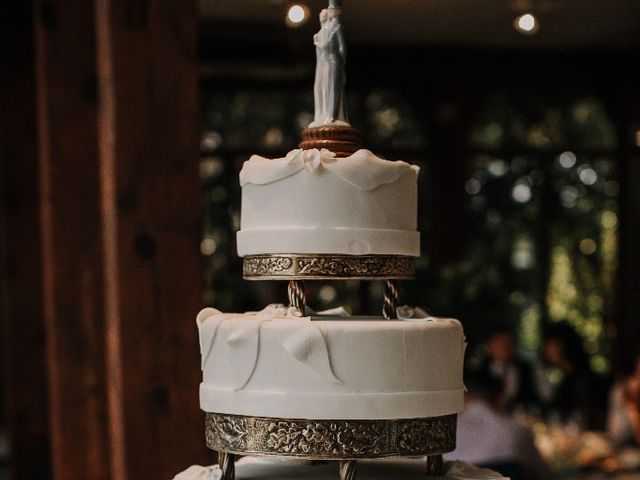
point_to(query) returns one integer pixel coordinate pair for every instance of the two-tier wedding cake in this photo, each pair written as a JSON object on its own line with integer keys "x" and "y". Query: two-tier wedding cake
{"x": 281, "y": 363}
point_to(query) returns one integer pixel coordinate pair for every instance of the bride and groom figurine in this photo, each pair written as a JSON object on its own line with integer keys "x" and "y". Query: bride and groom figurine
{"x": 331, "y": 53}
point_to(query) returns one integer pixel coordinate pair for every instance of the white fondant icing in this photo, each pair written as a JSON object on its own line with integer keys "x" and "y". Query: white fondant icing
{"x": 335, "y": 368}
{"x": 303, "y": 341}
{"x": 207, "y": 336}
{"x": 363, "y": 169}
{"x": 340, "y": 240}
{"x": 413, "y": 314}
{"x": 269, "y": 468}
{"x": 311, "y": 202}
{"x": 241, "y": 353}
{"x": 306, "y": 344}
{"x": 197, "y": 472}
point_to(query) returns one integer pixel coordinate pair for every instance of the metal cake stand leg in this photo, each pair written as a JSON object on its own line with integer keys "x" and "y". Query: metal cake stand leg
{"x": 296, "y": 295}
{"x": 227, "y": 463}
{"x": 435, "y": 465}
{"x": 391, "y": 298}
{"x": 347, "y": 470}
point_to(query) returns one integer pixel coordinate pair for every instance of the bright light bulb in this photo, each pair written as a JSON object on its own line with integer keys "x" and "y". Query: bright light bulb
{"x": 296, "y": 15}
{"x": 527, "y": 24}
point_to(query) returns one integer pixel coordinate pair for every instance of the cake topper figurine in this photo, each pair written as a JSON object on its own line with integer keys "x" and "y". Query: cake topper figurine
{"x": 330, "y": 127}
{"x": 331, "y": 56}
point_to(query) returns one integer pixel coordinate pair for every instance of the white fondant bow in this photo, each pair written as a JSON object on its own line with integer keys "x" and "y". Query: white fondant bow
{"x": 310, "y": 159}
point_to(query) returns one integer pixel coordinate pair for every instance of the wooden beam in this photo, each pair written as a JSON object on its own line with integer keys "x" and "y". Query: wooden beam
{"x": 71, "y": 238}
{"x": 149, "y": 134}
{"x": 24, "y": 388}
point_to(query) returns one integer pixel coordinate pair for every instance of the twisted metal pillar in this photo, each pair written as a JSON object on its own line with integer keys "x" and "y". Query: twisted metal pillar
{"x": 227, "y": 463}
{"x": 348, "y": 470}
{"x": 296, "y": 295}
{"x": 391, "y": 298}
{"x": 435, "y": 465}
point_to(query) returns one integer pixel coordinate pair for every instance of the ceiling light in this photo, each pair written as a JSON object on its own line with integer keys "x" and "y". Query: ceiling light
{"x": 297, "y": 15}
{"x": 527, "y": 24}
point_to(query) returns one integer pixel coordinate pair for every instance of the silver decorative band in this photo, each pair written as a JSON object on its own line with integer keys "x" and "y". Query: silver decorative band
{"x": 330, "y": 439}
{"x": 308, "y": 267}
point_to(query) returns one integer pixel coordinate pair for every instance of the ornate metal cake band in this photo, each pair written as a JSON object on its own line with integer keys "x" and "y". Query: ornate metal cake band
{"x": 330, "y": 439}
{"x": 331, "y": 267}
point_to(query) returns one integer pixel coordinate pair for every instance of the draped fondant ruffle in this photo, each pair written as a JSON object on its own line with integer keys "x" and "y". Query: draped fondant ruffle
{"x": 363, "y": 169}
{"x": 304, "y": 342}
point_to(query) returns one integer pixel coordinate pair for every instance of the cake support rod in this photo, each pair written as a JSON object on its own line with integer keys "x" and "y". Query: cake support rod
{"x": 391, "y": 299}
{"x": 435, "y": 465}
{"x": 347, "y": 470}
{"x": 297, "y": 298}
{"x": 227, "y": 463}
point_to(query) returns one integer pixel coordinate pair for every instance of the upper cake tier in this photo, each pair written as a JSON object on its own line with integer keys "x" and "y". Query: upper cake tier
{"x": 310, "y": 202}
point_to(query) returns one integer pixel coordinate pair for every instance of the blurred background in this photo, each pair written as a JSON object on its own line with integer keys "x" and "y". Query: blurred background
{"x": 523, "y": 115}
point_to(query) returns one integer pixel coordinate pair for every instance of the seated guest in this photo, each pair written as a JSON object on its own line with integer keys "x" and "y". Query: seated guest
{"x": 623, "y": 418}
{"x": 488, "y": 437}
{"x": 515, "y": 374}
{"x": 566, "y": 385}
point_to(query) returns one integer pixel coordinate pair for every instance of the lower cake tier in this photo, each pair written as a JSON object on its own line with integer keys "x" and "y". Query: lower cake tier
{"x": 274, "y": 364}
{"x": 257, "y": 468}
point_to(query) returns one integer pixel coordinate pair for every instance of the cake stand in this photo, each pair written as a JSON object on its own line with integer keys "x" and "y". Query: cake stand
{"x": 345, "y": 441}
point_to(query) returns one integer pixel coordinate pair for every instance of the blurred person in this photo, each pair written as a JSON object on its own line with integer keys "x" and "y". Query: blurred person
{"x": 515, "y": 374}
{"x": 488, "y": 437}
{"x": 566, "y": 386}
{"x": 623, "y": 416}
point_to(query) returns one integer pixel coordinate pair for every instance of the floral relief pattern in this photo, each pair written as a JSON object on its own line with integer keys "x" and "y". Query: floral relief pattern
{"x": 352, "y": 266}
{"x": 324, "y": 438}
{"x": 266, "y": 265}
{"x": 330, "y": 438}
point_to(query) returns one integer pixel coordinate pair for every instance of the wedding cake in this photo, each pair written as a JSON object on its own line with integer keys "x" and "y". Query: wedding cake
{"x": 288, "y": 382}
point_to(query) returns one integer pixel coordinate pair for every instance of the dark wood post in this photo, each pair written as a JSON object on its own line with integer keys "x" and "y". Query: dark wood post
{"x": 100, "y": 242}
{"x": 151, "y": 215}
{"x": 22, "y": 338}
{"x": 71, "y": 238}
